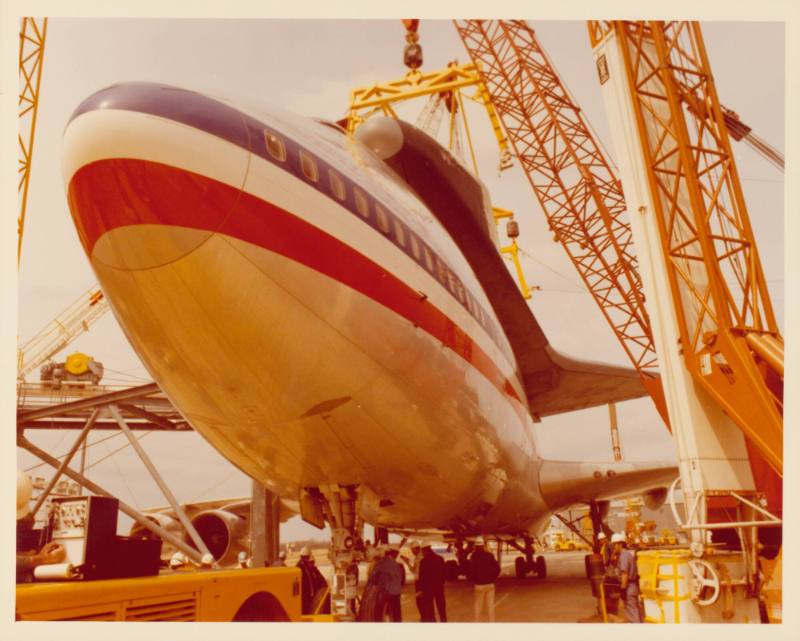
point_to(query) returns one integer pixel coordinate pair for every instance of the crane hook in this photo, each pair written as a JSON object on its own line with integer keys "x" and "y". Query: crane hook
{"x": 412, "y": 54}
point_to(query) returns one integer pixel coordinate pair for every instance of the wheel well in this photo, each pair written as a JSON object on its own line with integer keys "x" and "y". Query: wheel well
{"x": 261, "y": 606}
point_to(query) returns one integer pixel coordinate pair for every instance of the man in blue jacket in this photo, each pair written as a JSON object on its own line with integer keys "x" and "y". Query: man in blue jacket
{"x": 628, "y": 578}
{"x": 389, "y": 575}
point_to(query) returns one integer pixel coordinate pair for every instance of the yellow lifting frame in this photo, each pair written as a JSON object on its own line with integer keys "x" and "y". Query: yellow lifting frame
{"x": 365, "y": 101}
{"x": 381, "y": 97}
{"x": 512, "y": 251}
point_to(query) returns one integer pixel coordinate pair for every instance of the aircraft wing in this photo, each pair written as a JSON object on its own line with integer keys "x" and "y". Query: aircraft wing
{"x": 565, "y": 483}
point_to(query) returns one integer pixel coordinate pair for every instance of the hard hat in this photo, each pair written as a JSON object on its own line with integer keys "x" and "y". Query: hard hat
{"x": 618, "y": 537}
{"x": 24, "y": 492}
{"x": 178, "y": 559}
{"x": 601, "y": 536}
{"x": 479, "y": 541}
{"x": 304, "y": 551}
{"x": 282, "y": 554}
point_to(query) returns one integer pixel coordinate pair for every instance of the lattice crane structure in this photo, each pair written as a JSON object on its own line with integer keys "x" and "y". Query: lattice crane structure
{"x": 571, "y": 177}
{"x": 32, "y": 36}
{"x": 719, "y": 348}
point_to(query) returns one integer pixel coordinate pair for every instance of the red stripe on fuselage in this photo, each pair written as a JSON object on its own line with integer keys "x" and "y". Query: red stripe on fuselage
{"x": 113, "y": 193}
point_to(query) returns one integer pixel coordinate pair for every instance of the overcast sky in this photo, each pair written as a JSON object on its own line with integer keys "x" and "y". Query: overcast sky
{"x": 310, "y": 67}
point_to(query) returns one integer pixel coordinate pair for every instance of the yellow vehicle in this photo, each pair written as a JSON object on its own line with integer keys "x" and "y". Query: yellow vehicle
{"x": 259, "y": 594}
{"x": 667, "y": 537}
{"x": 561, "y": 543}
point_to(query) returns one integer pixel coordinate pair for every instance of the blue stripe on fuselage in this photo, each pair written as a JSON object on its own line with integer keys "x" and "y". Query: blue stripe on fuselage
{"x": 223, "y": 121}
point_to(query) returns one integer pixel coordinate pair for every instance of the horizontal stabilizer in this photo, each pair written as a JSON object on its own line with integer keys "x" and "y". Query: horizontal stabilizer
{"x": 565, "y": 483}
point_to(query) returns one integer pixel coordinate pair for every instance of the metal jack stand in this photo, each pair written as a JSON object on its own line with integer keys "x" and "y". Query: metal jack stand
{"x": 103, "y": 406}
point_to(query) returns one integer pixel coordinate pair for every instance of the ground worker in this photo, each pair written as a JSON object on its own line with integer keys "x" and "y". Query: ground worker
{"x": 483, "y": 571}
{"x": 389, "y": 576}
{"x": 280, "y": 562}
{"x": 373, "y": 554}
{"x": 603, "y": 548}
{"x": 413, "y": 565}
{"x": 312, "y": 580}
{"x": 625, "y": 563}
{"x": 28, "y": 559}
{"x": 432, "y": 578}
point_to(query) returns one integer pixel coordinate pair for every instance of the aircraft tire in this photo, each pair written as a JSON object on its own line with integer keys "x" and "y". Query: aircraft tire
{"x": 374, "y": 605}
{"x": 520, "y": 567}
{"x": 541, "y": 568}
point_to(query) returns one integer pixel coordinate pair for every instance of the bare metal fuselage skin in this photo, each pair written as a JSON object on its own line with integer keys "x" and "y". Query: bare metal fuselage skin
{"x": 302, "y": 308}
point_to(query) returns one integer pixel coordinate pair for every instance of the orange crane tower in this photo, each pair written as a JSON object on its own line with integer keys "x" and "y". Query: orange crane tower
{"x": 718, "y": 342}
{"x": 719, "y": 347}
{"x": 91, "y": 305}
{"x": 571, "y": 177}
{"x": 32, "y": 37}
{"x": 731, "y": 342}
{"x": 583, "y": 201}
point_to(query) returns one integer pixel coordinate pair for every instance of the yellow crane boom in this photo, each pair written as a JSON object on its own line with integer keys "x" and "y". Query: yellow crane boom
{"x": 61, "y": 331}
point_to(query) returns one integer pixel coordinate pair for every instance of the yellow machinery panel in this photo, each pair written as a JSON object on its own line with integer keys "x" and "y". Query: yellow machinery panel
{"x": 262, "y": 594}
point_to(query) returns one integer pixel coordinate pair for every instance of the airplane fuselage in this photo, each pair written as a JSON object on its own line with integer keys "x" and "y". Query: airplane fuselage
{"x": 304, "y": 311}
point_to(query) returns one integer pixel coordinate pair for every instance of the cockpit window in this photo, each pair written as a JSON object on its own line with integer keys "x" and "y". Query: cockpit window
{"x": 275, "y": 146}
{"x": 309, "y": 166}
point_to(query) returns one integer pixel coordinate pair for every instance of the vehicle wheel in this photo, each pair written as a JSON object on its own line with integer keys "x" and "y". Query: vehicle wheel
{"x": 374, "y": 605}
{"x": 520, "y": 567}
{"x": 541, "y": 568}
{"x": 451, "y": 570}
{"x": 261, "y": 607}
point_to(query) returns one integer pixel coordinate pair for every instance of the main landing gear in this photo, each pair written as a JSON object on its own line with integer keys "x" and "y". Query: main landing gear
{"x": 523, "y": 565}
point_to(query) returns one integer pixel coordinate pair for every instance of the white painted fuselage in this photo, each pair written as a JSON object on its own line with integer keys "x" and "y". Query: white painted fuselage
{"x": 306, "y": 342}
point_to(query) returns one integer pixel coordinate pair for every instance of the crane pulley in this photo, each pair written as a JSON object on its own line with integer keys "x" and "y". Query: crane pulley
{"x": 412, "y": 54}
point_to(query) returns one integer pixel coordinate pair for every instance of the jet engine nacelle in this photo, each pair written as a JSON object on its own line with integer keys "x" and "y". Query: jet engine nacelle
{"x": 164, "y": 521}
{"x": 170, "y": 524}
{"x": 222, "y": 532}
{"x": 654, "y": 499}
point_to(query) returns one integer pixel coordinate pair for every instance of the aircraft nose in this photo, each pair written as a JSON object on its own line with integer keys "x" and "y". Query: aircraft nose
{"x": 151, "y": 172}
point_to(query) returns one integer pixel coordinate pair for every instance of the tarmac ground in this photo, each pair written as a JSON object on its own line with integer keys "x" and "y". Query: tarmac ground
{"x": 565, "y": 596}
